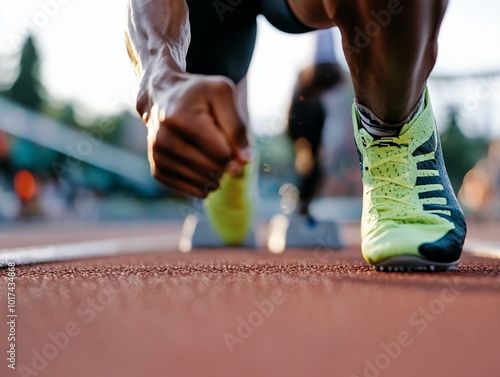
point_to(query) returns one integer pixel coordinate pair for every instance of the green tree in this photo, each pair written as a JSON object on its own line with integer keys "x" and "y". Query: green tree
{"x": 27, "y": 89}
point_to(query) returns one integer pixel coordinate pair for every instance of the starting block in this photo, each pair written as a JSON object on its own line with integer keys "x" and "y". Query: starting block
{"x": 197, "y": 233}
{"x": 302, "y": 232}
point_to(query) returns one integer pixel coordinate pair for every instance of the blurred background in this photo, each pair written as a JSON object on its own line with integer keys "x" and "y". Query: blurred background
{"x": 72, "y": 147}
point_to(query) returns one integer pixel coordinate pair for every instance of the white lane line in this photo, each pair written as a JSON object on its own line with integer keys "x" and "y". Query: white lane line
{"x": 486, "y": 249}
{"x": 89, "y": 249}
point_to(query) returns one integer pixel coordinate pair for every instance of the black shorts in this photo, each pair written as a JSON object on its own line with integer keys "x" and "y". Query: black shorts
{"x": 223, "y": 33}
{"x": 280, "y": 15}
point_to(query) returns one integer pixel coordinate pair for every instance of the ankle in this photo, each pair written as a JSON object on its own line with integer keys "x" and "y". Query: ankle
{"x": 380, "y": 128}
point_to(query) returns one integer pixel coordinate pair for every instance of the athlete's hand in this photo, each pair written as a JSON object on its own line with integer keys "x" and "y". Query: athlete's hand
{"x": 195, "y": 133}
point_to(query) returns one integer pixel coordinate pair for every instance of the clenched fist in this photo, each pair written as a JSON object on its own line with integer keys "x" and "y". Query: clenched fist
{"x": 194, "y": 131}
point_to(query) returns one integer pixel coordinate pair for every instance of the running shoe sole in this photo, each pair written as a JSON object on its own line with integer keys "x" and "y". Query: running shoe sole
{"x": 411, "y": 263}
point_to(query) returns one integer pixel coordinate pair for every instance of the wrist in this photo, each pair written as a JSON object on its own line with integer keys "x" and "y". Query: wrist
{"x": 157, "y": 78}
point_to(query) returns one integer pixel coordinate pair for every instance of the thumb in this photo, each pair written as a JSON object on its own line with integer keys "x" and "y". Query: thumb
{"x": 229, "y": 120}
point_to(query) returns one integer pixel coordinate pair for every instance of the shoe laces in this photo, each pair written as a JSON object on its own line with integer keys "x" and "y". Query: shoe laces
{"x": 388, "y": 166}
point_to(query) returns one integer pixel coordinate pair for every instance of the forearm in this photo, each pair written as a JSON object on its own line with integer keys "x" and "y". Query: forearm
{"x": 158, "y": 36}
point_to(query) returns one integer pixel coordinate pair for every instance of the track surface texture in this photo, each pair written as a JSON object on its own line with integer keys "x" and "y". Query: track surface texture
{"x": 241, "y": 313}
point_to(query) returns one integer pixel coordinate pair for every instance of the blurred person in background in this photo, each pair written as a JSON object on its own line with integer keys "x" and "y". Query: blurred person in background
{"x": 319, "y": 123}
{"x": 480, "y": 191}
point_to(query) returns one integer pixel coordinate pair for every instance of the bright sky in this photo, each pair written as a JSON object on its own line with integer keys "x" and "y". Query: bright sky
{"x": 84, "y": 57}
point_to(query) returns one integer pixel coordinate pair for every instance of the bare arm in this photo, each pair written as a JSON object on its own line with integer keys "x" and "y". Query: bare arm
{"x": 194, "y": 130}
{"x": 157, "y": 38}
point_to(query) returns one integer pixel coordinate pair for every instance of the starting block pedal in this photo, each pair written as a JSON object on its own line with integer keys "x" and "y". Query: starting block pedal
{"x": 197, "y": 233}
{"x": 302, "y": 232}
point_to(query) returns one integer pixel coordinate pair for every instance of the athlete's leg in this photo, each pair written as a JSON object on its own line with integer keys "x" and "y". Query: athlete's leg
{"x": 390, "y": 46}
{"x": 411, "y": 218}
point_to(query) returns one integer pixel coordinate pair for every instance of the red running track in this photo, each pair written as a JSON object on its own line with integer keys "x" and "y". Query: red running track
{"x": 236, "y": 313}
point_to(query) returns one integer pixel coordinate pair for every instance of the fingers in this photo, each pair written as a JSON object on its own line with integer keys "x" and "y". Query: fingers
{"x": 180, "y": 185}
{"x": 225, "y": 114}
{"x": 179, "y": 164}
{"x": 197, "y": 137}
{"x": 190, "y": 156}
{"x": 194, "y": 135}
{"x": 185, "y": 180}
{"x": 184, "y": 173}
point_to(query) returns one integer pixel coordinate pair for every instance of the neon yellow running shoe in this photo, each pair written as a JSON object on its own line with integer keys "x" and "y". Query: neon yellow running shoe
{"x": 229, "y": 209}
{"x": 411, "y": 218}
